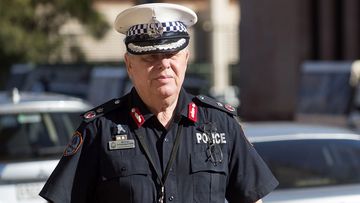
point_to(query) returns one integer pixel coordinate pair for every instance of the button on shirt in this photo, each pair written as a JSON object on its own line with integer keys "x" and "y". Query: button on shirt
{"x": 94, "y": 173}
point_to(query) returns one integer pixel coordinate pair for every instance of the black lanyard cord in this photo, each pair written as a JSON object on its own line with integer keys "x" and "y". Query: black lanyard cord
{"x": 140, "y": 132}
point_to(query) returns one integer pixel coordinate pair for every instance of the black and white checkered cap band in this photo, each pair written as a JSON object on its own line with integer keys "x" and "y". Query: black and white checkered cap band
{"x": 175, "y": 26}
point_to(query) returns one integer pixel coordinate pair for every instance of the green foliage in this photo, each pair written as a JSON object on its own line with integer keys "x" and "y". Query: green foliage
{"x": 29, "y": 29}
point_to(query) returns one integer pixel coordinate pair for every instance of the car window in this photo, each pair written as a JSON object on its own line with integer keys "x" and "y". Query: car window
{"x": 37, "y": 135}
{"x": 309, "y": 163}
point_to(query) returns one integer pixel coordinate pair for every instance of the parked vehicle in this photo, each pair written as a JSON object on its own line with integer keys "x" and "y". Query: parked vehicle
{"x": 314, "y": 164}
{"x": 95, "y": 84}
{"x": 34, "y": 129}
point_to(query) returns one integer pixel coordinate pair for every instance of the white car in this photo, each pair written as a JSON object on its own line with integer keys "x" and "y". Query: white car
{"x": 314, "y": 164}
{"x": 34, "y": 129}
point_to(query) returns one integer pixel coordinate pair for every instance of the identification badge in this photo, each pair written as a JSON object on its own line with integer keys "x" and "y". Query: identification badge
{"x": 122, "y": 144}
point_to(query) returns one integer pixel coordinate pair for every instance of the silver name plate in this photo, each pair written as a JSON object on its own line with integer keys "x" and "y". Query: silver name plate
{"x": 121, "y": 144}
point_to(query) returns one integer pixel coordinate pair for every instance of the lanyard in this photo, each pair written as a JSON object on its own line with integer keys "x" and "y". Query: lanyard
{"x": 140, "y": 132}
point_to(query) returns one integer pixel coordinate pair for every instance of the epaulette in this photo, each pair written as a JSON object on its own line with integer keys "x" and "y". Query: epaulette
{"x": 216, "y": 104}
{"x": 101, "y": 110}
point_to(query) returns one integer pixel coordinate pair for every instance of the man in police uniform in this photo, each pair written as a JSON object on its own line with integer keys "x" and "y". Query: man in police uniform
{"x": 159, "y": 143}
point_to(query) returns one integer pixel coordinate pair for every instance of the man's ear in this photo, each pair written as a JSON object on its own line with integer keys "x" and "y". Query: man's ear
{"x": 187, "y": 52}
{"x": 128, "y": 63}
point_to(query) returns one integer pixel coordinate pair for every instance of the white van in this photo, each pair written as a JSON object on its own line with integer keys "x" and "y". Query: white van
{"x": 34, "y": 130}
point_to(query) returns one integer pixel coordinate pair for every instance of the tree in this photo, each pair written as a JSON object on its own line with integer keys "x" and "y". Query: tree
{"x": 29, "y": 29}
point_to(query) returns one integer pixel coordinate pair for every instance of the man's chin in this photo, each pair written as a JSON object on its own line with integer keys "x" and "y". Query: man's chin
{"x": 165, "y": 92}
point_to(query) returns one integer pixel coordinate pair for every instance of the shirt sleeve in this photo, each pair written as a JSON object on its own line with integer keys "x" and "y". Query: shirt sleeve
{"x": 250, "y": 179}
{"x": 74, "y": 178}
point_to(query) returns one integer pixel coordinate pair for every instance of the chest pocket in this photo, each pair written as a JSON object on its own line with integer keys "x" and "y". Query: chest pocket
{"x": 209, "y": 181}
{"x": 126, "y": 179}
{"x": 121, "y": 166}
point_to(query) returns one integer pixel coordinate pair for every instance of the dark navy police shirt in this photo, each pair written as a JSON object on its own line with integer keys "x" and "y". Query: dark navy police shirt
{"x": 105, "y": 162}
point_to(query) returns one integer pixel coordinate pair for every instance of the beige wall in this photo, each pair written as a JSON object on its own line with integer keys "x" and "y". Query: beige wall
{"x": 111, "y": 47}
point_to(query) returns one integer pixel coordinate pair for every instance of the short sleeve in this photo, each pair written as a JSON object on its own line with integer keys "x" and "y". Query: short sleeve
{"x": 74, "y": 177}
{"x": 250, "y": 179}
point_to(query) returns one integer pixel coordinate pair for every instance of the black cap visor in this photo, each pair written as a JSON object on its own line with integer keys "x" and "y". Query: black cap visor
{"x": 168, "y": 42}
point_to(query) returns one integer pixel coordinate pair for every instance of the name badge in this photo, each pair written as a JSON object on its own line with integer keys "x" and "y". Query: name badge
{"x": 121, "y": 144}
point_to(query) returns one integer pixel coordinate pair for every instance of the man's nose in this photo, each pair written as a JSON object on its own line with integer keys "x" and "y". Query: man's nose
{"x": 165, "y": 62}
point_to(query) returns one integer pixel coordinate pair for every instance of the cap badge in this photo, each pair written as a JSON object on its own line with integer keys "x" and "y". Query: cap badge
{"x": 192, "y": 111}
{"x": 137, "y": 116}
{"x": 154, "y": 28}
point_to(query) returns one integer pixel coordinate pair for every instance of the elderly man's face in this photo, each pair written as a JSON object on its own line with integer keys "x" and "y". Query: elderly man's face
{"x": 157, "y": 75}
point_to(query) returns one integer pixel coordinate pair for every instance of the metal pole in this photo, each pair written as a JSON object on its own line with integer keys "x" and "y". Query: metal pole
{"x": 220, "y": 59}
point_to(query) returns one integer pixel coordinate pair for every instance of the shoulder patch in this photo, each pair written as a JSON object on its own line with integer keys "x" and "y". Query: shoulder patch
{"x": 216, "y": 104}
{"x": 74, "y": 144}
{"x": 101, "y": 110}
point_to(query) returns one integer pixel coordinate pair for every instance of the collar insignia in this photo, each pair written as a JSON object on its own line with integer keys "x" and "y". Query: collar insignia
{"x": 192, "y": 112}
{"x": 137, "y": 116}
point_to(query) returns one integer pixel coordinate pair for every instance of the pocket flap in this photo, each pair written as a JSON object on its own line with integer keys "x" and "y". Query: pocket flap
{"x": 199, "y": 162}
{"x": 136, "y": 165}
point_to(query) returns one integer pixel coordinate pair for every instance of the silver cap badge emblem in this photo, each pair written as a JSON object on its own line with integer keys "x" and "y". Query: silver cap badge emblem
{"x": 154, "y": 28}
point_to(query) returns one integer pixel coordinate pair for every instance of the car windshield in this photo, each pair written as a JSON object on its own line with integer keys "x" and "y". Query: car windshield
{"x": 310, "y": 163}
{"x": 37, "y": 135}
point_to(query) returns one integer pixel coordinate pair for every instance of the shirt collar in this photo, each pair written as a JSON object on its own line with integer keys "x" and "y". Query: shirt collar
{"x": 185, "y": 105}
{"x": 184, "y": 108}
{"x": 136, "y": 102}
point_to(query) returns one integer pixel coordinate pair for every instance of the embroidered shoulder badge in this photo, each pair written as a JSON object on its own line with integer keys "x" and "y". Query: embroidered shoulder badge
{"x": 74, "y": 144}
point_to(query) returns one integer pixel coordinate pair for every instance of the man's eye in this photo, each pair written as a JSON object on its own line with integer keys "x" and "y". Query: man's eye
{"x": 149, "y": 58}
{"x": 172, "y": 55}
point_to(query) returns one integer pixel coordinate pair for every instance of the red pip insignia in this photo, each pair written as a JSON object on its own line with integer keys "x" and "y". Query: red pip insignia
{"x": 192, "y": 111}
{"x": 137, "y": 116}
{"x": 74, "y": 144}
{"x": 90, "y": 114}
{"x": 229, "y": 107}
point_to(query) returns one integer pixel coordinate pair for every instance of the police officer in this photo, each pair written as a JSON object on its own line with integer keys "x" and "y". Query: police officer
{"x": 159, "y": 143}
